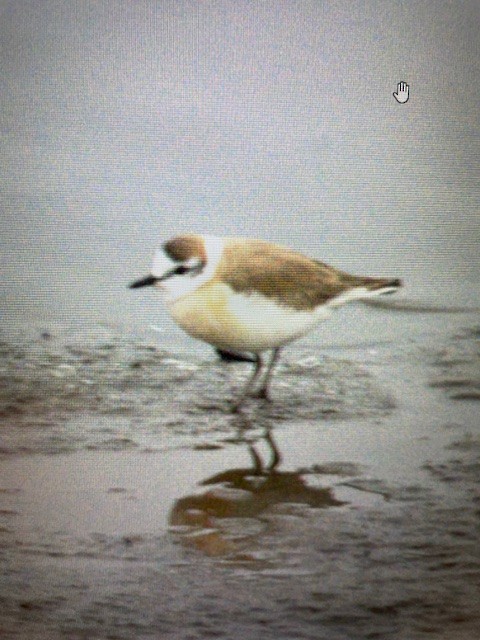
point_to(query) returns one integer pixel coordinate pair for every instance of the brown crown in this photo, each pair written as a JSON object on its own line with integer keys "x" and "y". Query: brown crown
{"x": 182, "y": 248}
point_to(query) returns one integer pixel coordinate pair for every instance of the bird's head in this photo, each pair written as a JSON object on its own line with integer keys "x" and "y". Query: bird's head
{"x": 179, "y": 267}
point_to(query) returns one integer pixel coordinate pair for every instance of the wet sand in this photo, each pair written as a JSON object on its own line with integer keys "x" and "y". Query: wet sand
{"x": 134, "y": 505}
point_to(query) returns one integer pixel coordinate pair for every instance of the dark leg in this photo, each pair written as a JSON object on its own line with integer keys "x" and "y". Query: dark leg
{"x": 259, "y": 468}
{"x": 276, "y": 457}
{"x": 257, "y": 461}
{"x": 250, "y": 383}
{"x": 263, "y": 391}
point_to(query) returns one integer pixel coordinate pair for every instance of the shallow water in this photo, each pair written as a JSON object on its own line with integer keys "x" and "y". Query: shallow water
{"x": 133, "y": 504}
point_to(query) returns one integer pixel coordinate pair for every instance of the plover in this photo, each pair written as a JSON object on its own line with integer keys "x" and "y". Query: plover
{"x": 243, "y": 295}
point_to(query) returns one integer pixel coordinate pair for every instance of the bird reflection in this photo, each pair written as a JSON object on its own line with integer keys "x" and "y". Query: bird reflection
{"x": 204, "y": 520}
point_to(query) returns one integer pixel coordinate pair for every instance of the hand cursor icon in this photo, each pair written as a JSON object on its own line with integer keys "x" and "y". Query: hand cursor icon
{"x": 402, "y": 92}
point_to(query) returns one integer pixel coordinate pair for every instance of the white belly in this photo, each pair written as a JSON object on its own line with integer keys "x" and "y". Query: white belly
{"x": 268, "y": 324}
{"x": 252, "y": 322}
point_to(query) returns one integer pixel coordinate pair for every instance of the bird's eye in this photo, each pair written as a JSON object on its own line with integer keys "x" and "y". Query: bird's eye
{"x": 179, "y": 271}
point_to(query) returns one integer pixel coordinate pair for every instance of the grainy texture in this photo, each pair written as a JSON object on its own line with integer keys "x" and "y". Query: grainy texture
{"x": 106, "y": 442}
{"x": 288, "y": 277}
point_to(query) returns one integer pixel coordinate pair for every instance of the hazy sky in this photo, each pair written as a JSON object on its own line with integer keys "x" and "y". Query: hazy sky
{"x": 123, "y": 123}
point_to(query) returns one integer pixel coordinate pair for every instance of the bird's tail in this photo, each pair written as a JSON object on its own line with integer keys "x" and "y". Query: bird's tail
{"x": 380, "y": 286}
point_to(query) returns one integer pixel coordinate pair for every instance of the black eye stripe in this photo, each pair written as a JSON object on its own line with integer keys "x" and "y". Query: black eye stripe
{"x": 177, "y": 271}
{"x": 181, "y": 270}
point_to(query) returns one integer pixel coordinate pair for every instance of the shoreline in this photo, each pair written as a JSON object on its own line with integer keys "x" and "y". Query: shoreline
{"x": 119, "y": 458}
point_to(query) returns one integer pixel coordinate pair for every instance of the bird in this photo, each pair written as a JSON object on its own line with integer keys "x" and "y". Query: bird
{"x": 248, "y": 296}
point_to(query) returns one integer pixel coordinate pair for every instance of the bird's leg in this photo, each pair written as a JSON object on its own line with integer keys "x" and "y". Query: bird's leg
{"x": 263, "y": 391}
{"x": 257, "y": 461}
{"x": 276, "y": 456}
{"x": 251, "y": 381}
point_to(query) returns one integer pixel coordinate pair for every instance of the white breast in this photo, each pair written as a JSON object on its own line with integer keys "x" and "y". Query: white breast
{"x": 267, "y": 324}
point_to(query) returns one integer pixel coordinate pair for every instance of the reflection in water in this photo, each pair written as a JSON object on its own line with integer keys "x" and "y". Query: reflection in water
{"x": 226, "y": 517}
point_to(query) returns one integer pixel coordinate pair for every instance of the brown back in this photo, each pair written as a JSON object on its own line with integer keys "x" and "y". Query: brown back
{"x": 288, "y": 277}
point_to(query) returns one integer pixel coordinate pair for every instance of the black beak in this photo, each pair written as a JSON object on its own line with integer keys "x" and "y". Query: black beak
{"x": 144, "y": 282}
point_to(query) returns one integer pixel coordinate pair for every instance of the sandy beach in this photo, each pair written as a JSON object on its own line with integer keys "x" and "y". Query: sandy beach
{"x": 133, "y": 504}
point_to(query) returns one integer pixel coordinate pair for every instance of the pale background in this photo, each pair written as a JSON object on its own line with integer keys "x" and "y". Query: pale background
{"x": 124, "y": 123}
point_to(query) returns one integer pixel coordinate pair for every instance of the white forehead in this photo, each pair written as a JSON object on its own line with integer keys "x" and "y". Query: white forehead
{"x": 161, "y": 263}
